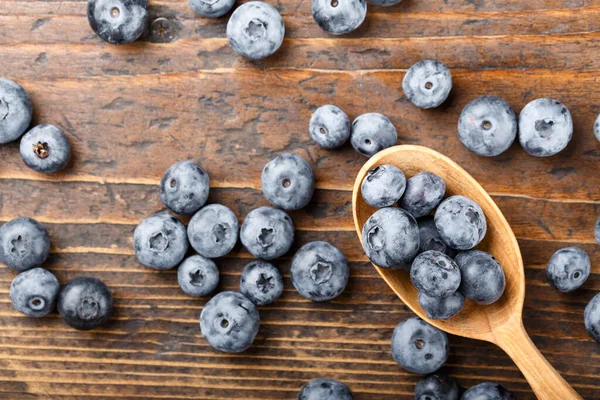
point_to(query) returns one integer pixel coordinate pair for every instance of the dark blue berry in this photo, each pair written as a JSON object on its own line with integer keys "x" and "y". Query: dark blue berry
{"x": 419, "y": 347}
{"x": 24, "y": 244}
{"x": 597, "y": 128}
{"x": 390, "y": 238}
{"x": 184, "y": 187}
{"x": 329, "y": 127}
{"x": 320, "y": 271}
{"x": 198, "y": 276}
{"x": 383, "y": 186}
{"x": 85, "y": 303}
{"x": 435, "y": 274}
{"x": 441, "y": 307}
{"x": 267, "y": 233}
{"x": 436, "y": 387}
{"x": 385, "y": 3}
{"x": 325, "y": 389}
{"x": 34, "y": 292}
{"x": 545, "y": 127}
{"x": 568, "y": 269}
{"x": 591, "y": 317}
{"x": 213, "y": 231}
{"x": 118, "y": 21}
{"x": 487, "y": 391}
{"x": 597, "y": 230}
{"x": 160, "y": 241}
{"x": 483, "y": 279}
{"x": 15, "y": 111}
{"x": 229, "y": 322}
{"x": 45, "y": 149}
{"x": 211, "y": 8}
{"x": 427, "y": 83}
{"x": 288, "y": 182}
{"x": 261, "y": 282}
{"x": 430, "y": 239}
{"x": 461, "y": 222}
{"x": 487, "y": 126}
{"x": 424, "y": 191}
{"x": 372, "y": 133}
{"x": 339, "y": 17}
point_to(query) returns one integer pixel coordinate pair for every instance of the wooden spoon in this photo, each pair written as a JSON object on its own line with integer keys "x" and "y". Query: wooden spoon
{"x": 499, "y": 323}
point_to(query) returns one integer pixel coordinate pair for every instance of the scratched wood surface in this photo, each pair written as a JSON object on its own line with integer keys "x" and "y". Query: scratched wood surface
{"x": 131, "y": 111}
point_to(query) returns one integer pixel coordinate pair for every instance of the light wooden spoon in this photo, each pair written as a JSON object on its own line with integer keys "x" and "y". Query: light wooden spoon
{"x": 499, "y": 323}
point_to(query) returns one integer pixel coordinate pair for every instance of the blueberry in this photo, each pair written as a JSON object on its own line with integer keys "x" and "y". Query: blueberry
{"x": 418, "y": 347}
{"x": 261, "y": 282}
{"x": 591, "y": 317}
{"x": 427, "y": 83}
{"x": 46, "y": 149}
{"x": 229, "y": 322}
{"x": 211, "y": 8}
{"x": 329, "y": 127}
{"x": 424, "y": 191}
{"x": 288, "y": 182}
{"x": 325, "y": 389}
{"x": 34, "y": 292}
{"x": 597, "y": 128}
{"x": 430, "y": 239}
{"x": 339, "y": 17}
{"x": 487, "y": 391}
{"x": 461, "y": 222}
{"x": 487, "y": 126}
{"x": 383, "y": 186}
{"x": 198, "y": 276}
{"x": 15, "y": 111}
{"x": 372, "y": 133}
{"x": 442, "y": 307}
{"x": 391, "y": 238}
{"x": 213, "y": 231}
{"x": 267, "y": 233}
{"x": 118, "y": 21}
{"x": 255, "y": 30}
{"x": 436, "y": 387}
{"x": 435, "y": 274}
{"x": 384, "y": 3}
{"x": 597, "y": 230}
{"x": 160, "y": 241}
{"x": 85, "y": 303}
{"x": 568, "y": 269}
{"x": 483, "y": 279}
{"x": 184, "y": 187}
{"x": 545, "y": 127}
{"x": 24, "y": 244}
{"x": 320, "y": 271}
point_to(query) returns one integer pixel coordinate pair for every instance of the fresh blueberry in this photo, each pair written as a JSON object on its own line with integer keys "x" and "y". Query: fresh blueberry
{"x": 184, "y": 187}
{"x": 46, "y": 149}
{"x": 229, "y": 322}
{"x": 15, "y": 111}
{"x": 24, "y": 244}
{"x": 372, "y": 133}
{"x": 591, "y": 317}
{"x": 198, "y": 276}
{"x": 267, "y": 233}
{"x": 391, "y": 238}
{"x": 442, "y": 307}
{"x": 461, "y": 222}
{"x": 85, "y": 303}
{"x": 487, "y": 126}
{"x": 329, "y": 127}
{"x": 118, "y": 21}
{"x": 419, "y": 347}
{"x": 213, "y": 231}
{"x": 288, "y": 182}
{"x": 211, "y": 8}
{"x": 483, "y": 278}
{"x": 261, "y": 282}
{"x": 339, "y": 17}
{"x": 435, "y": 274}
{"x": 383, "y": 186}
{"x": 427, "y": 83}
{"x": 597, "y": 230}
{"x": 384, "y": 3}
{"x": 160, "y": 241}
{"x": 487, "y": 391}
{"x": 320, "y": 271}
{"x": 568, "y": 269}
{"x": 597, "y": 128}
{"x": 436, "y": 387}
{"x": 545, "y": 127}
{"x": 34, "y": 292}
{"x": 424, "y": 191}
{"x": 255, "y": 30}
{"x": 430, "y": 239}
{"x": 325, "y": 389}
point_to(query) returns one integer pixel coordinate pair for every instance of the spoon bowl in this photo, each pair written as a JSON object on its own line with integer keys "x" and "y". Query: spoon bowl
{"x": 499, "y": 323}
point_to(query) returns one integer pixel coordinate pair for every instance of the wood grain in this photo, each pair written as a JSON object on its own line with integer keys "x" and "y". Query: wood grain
{"x": 131, "y": 111}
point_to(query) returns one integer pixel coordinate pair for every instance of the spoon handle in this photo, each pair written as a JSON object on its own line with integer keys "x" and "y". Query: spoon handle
{"x": 545, "y": 381}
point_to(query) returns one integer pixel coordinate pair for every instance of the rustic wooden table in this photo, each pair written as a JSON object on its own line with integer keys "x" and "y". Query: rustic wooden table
{"x": 182, "y": 93}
